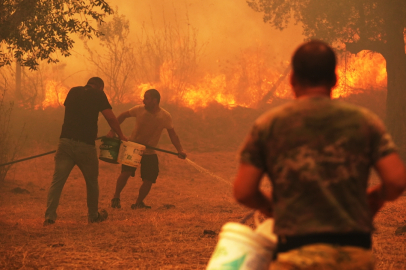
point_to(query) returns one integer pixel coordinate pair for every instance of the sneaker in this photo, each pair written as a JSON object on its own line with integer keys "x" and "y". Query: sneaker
{"x": 140, "y": 205}
{"x": 101, "y": 216}
{"x": 48, "y": 222}
{"x": 115, "y": 203}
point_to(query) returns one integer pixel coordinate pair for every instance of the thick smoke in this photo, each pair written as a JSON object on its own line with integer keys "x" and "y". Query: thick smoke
{"x": 224, "y": 27}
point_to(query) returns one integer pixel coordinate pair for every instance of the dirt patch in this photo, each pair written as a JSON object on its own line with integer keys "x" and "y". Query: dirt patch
{"x": 179, "y": 232}
{"x": 19, "y": 190}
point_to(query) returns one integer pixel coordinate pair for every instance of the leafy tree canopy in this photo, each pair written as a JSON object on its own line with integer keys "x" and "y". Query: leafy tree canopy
{"x": 367, "y": 23}
{"x": 33, "y": 30}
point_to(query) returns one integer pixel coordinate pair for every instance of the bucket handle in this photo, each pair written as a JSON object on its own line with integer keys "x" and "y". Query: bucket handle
{"x": 254, "y": 214}
{"x": 247, "y": 217}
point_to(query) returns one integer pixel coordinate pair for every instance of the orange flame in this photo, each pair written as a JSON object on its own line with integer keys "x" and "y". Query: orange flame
{"x": 365, "y": 70}
{"x": 212, "y": 88}
{"x": 245, "y": 83}
{"x": 54, "y": 96}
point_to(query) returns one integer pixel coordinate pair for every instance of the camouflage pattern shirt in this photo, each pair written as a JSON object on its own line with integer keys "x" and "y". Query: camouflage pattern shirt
{"x": 318, "y": 154}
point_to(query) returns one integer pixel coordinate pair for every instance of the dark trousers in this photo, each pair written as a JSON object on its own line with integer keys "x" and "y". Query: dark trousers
{"x": 69, "y": 154}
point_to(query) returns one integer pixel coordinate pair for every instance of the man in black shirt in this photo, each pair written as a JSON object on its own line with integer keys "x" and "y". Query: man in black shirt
{"x": 77, "y": 146}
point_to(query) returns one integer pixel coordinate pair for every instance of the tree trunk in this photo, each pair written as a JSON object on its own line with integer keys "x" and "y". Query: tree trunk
{"x": 396, "y": 99}
{"x": 18, "y": 81}
{"x": 394, "y": 54}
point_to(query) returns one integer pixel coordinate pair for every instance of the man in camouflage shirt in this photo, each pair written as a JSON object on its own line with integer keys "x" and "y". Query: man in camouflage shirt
{"x": 318, "y": 153}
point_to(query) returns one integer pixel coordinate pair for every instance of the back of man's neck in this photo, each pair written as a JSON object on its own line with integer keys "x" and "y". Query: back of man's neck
{"x": 309, "y": 92}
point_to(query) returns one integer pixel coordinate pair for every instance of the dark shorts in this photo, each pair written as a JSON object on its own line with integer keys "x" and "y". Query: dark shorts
{"x": 149, "y": 168}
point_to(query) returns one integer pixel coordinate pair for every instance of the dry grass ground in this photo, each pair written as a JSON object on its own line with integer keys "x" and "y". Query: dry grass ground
{"x": 185, "y": 203}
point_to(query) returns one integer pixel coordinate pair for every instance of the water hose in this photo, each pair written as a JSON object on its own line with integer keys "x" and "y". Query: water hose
{"x": 51, "y": 152}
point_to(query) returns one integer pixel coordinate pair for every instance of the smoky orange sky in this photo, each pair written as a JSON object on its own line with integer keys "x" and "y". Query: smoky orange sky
{"x": 226, "y": 26}
{"x": 223, "y": 28}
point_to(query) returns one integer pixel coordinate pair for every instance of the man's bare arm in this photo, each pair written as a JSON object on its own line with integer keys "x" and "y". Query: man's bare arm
{"x": 176, "y": 142}
{"x": 392, "y": 172}
{"x": 113, "y": 123}
{"x": 120, "y": 120}
{"x": 247, "y": 191}
{"x": 123, "y": 116}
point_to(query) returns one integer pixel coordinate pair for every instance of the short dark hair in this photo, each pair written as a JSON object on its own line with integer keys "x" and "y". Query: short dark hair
{"x": 314, "y": 64}
{"x": 154, "y": 94}
{"x": 96, "y": 81}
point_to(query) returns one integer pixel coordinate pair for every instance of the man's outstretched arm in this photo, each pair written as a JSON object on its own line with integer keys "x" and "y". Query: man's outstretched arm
{"x": 113, "y": 123}
{"x": 120, "y": 120}
{"x": 176, "y": 142}
{"x": 247, "y": 191}
{"x": 392, "y": 172}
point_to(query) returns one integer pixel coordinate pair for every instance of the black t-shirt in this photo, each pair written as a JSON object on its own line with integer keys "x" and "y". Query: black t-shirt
{"x": 82, "y": 107}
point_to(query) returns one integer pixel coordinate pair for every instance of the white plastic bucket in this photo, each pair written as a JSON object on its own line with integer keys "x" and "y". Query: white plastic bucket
{"x": 130, "y": 154}
{"x": 240, "y": 247}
